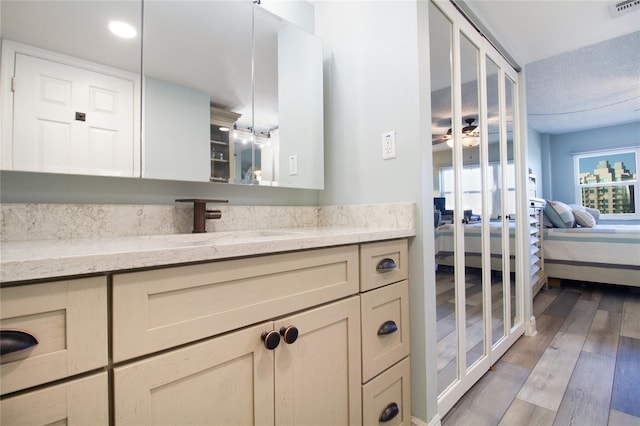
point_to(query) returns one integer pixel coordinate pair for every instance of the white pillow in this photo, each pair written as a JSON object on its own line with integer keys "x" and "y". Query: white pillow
{"x": 584, "y": 218}
{"x": 560, "y": 214}
{"x": 594, "y": 212}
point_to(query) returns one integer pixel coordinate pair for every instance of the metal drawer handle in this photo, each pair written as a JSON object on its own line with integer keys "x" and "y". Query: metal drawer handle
{"x": 15, "y": 341}
{"x": 387, "y": 327}
{"x": 389, "y": 413}
{"x": 386, "y": 265}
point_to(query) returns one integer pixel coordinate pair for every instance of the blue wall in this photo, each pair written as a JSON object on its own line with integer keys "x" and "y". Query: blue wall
{"x": 562, "y": 147}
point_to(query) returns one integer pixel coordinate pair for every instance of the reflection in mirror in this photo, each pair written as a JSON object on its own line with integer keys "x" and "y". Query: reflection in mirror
{"x": 472, "y": 189}
{"x": 494, "y": 208}
{"x": 74, "y": 104}
{"x": 440, "y": 32}
{"x": 509, "y": 89}
{"x": 197, "y": 66}
{"x": 256, "y": 71}
{"x": 288, "y": 120}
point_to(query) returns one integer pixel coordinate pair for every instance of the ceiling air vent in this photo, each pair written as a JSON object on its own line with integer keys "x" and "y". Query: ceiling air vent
{"x": 623, "y": 7}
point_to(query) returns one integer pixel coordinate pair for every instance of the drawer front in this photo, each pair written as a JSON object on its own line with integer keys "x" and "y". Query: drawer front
{"x": 69, "y": 320}
{"x": 388, "y": 393}
{"x": 383, "y": 311}
{"x": 158, "y": 309}
{"x": 79, "y": 402}
{"x": 377, "y": 260}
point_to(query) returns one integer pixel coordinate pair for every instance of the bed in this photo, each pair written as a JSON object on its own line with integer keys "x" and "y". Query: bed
{"x": 444, "y": 245}
{"x": 604, "y": 254}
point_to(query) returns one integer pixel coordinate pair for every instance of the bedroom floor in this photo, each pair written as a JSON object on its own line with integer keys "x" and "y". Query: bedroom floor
{"x": 582, "y": 368}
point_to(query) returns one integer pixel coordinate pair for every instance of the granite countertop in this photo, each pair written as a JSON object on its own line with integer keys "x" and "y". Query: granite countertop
{"x": 33, "y": 260}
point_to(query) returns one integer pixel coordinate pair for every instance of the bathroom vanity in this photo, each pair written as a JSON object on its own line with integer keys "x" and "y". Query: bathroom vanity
{"x": 305, "y": 326}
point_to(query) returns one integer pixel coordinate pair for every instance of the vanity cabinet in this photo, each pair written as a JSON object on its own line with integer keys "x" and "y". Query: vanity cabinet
{"x": 386, "y": 377}
{"x": 69, "y": 320}
{"x": 287, "y": 338}
{"x": 231, "y": 379}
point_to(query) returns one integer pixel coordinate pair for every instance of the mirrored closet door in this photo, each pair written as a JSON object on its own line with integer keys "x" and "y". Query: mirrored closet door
{"x": 474, "y": 143}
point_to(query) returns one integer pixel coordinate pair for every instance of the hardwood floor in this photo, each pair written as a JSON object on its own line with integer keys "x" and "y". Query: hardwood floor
{"x": 581, "y": 368}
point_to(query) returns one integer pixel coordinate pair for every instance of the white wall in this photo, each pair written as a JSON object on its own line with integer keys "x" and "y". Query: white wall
{"x": 374, "y": 67}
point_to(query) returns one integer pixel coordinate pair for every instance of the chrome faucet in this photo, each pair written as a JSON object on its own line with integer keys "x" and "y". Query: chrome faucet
{"x": 200, "y": 212}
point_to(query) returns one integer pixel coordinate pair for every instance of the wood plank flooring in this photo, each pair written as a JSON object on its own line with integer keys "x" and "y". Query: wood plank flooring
{"x": 581, "y": 368}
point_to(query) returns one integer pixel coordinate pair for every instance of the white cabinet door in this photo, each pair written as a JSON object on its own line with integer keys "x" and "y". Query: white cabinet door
{"x": 227, "y": 380}
{"x": 317, "y": 377}
{"x": 71, "y": 120}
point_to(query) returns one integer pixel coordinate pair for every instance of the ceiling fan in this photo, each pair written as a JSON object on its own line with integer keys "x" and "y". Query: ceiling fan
{"x": 470, "y": 135}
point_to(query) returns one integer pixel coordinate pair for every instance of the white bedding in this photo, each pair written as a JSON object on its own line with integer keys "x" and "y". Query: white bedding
{"x": 605, "y": 253}
{"x": 473, "y": 239}
{"x": 603, "y": 244}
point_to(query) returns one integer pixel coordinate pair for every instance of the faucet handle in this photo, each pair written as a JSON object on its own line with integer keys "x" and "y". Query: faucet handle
{"x": 200, "y": 212}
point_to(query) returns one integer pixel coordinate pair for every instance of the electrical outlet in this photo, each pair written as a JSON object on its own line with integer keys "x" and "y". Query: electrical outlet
{"x": 293, "y": 165}
{"x": 389, "y": 145}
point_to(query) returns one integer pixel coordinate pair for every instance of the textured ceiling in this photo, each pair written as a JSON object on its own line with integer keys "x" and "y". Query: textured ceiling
{"x": 582, "y": 65}
{"x": 594, "y": 86}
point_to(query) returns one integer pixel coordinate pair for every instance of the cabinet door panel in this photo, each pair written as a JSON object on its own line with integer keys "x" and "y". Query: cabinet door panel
{"x": 223, "y": 381}
{"x": 80, "y": 402}
{"x": 318, "y": 376}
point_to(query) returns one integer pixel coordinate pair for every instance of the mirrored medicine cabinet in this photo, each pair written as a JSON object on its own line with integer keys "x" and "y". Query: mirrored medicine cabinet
{"x": 231, "y": 93}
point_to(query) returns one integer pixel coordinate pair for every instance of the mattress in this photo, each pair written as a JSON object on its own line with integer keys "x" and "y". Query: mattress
{"x": 605, "y": 253}
{"x": 444, "y": 244}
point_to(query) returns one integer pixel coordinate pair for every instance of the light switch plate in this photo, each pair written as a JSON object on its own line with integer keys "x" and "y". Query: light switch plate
{"x": 293, "y": 165}
{"x": 389, "y": 145}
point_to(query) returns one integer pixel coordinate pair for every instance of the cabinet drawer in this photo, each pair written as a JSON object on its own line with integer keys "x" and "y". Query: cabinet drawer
{"x": 384, "y": 308}
{"x": 389, "y": 390}
{"x": 158, "y": 309}
{"x": 79, "y": 402}
{"x": 373, "y": 257}
{"x": 69, "y": 320}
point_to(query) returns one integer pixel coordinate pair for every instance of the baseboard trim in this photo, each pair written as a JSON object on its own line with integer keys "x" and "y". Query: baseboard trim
{"x": 435, "y": 421}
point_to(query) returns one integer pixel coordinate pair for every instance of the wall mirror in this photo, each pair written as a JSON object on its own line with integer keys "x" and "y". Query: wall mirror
{"x": 474, "y": 139}
{"x": 231, "y": 93}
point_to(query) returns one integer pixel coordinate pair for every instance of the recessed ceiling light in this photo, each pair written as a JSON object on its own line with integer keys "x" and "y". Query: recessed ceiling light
{"x": 122, "y": 29}
{"x": 224, "y": 129}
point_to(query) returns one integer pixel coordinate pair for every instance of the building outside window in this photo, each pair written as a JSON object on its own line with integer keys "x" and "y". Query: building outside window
{"x": 608, "y": 181}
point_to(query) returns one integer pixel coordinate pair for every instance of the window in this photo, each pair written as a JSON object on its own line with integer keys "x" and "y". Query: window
{"x": 472, "y": 189}
{"x": 608, "y": 181}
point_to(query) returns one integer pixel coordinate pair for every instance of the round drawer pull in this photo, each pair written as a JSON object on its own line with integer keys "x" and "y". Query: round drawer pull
{"x": 389, "y": 413}
{"x": 387, "y": 327}
{"x": 386, "y": 265}
{"x": 13, "y": 342}
{"x": 289, "y": 334}
{"x": 271, "y": 339}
